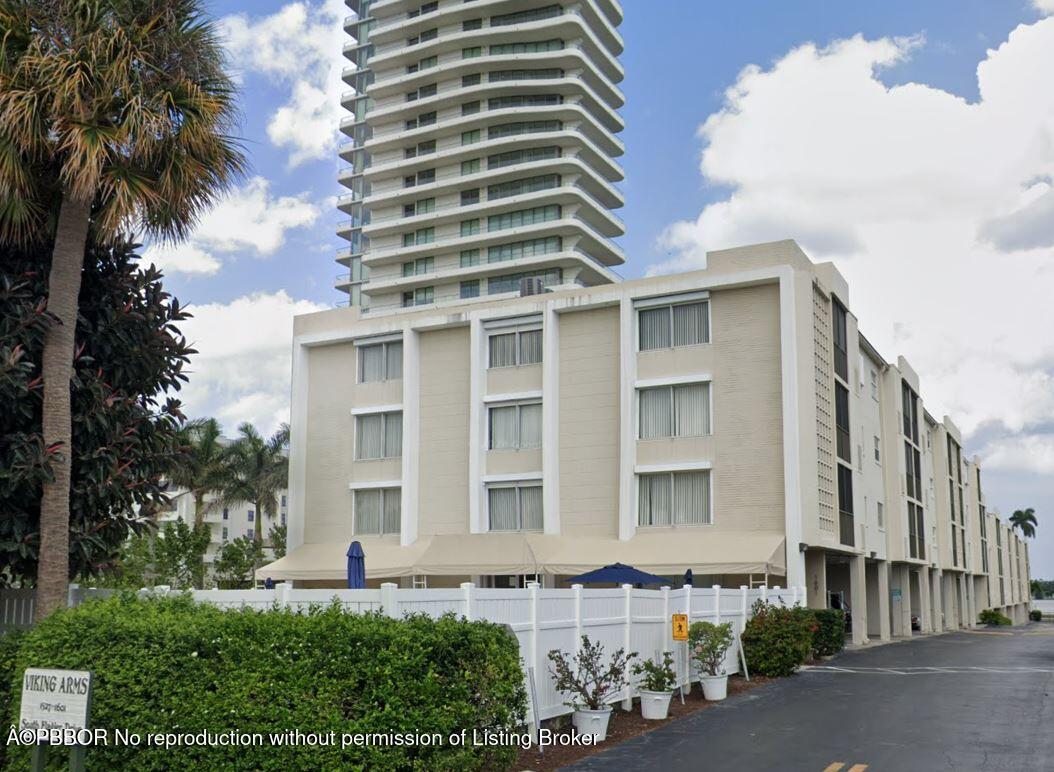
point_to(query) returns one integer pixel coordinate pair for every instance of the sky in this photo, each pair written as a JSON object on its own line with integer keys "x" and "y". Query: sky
{"x": 910, "y": 143}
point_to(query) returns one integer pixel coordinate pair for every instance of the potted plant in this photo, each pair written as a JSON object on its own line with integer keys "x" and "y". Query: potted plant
{"x": 657, "y": 680}
{"x": 589, "y": 682}
{"x": 709, "y": 643}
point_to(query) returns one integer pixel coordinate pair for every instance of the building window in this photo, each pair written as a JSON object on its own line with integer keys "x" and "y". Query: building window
{"x": 840, "y": 340}
{"x": 470, "y": 197}
{"x": 528, "y": 155}
{"x": 523, "y": 127}
{"x": 283, "y": 518}
{"x": 420, "y": 236}
{"x": 469, "y": 257}
{"x": 516, "y": 348}
{"x": 521, "y": 217}
{"x": 427, "y": 62}
{"x": 682, "y": 324}
{"x": 520, "y": 17}
{"x": 677, "y": 498}
{"x": 470, "y": 108}
{"x": 250, "y": 534}
{"x": 515, "y": 427}
{"x": 380, "y": 362}
{"x": 470, "y": 137}
{"x": 874, "y": 385}
{"x": 674, "y": 411}
{"x": 533, "y": 47}
{"x": 226, "y": 514}
{"x": 424, "y": 206}
{"x": 470, "y": 166}
{"x": 881, "y": 514}
{"x": 471, "y": 53}
{"x": 421, "y": 265}
{"x": 379, "y": 435}
{"x": 552, "y": 73}
{"x": 422, "y": 296}
{"x": 878, "y": 451}
{"x": 515, "y": 507}
{"x": 520, "y": 187}
{"x": 470, "y": 227}
{"x": 470, "y": 289}
{"x": 528, "y": 248}
{"x": 524, "y": 100}
{"x": 841, "y": 421}
{"x": 252, "y": 515}
{"x": 510, "y": 282}
{"x": 224, "y": 536}
{"x": 470, "y": 24}
{"x": 470, "y": 80}
{"x": 846, "y": 528}
{"x": 377, "y": 512}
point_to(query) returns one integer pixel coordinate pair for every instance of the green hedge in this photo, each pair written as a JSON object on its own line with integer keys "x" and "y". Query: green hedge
{"x": 829, "y": 637}
{"x": 992, "y": 617}
{"x": 9, "y": 644}
{"x": 1035, "y": 615}
{"x": 777, "y": 639}
{"x": 170, "y": 665}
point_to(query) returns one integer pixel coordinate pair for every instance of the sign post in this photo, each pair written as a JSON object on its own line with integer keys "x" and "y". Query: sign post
{"x": 680, "y": 635}
{"x": 55, "y": 701}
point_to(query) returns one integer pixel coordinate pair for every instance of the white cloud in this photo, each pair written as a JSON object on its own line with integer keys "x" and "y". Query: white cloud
{"x": 1030, "y": 453}
{"x": 248, "y": 219}
{"x": 1044, "y": 6}
{"x": 299, "y": 47}
{"x": 938, "y": 210}
{"x": 242, "y": 370}
{"x": 181, "y": 258}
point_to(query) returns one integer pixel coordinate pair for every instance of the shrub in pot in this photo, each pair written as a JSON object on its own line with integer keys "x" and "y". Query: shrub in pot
{"x": 776, "y": 639}
{"x": 657, "y": 681}
{"x": 590, "y": 681}
{"x": 1035, "y": 615}
{"x": 708, "y": 644}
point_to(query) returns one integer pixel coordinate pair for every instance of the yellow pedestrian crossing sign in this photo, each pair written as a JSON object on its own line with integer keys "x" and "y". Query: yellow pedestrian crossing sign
{"x": 680, "y": 627}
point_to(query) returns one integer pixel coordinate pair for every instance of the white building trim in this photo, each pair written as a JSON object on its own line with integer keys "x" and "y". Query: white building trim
{"x": 411, "y": 460}
{"x": 551, "y": 422}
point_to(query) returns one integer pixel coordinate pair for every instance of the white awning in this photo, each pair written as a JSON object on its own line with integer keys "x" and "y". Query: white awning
{"x": 329, "y": 560}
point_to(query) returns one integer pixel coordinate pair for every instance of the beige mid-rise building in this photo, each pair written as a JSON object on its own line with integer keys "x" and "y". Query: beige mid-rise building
{"x": 733, "y": 421}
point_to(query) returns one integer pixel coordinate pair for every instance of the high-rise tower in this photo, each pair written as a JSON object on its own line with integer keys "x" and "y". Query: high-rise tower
{"x": 482, "y": 148}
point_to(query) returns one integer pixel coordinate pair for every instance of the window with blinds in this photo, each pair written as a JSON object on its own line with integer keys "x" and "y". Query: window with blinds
{"x": 380, "y": 362}
{"x": 377, "y": 512}
{"x": 523, "y": 347}
{"x": 515, "y": 507}
{"x": 379, "y": 435}
{"x": 674, "y": 498}
{"x": 682, "y": 410}
{"x": 682, "y": 324}
{"x": 515, "y": 427}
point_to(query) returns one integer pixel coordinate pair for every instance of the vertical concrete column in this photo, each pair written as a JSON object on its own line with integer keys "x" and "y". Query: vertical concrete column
{"x": 926, "y": 618}
{"x": 938, "y": 601}
{"x": 967, "y": 605}
{"x": 858, "y": 597}
{"x": 883, "y": 601}
{"x": 901, "y": 577}
{"x": 816, "y": 579}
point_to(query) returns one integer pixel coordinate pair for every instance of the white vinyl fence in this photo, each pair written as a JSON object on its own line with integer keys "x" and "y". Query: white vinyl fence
{"x": 541, "y": 619}
{"x": 546, "y": 619}
{"x": 17, "y": 604}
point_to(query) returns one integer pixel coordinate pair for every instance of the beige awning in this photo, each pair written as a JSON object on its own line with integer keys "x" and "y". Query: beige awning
{"x": 481, "y": 553}
{"x": 673, "y": 552}
{"x": 667, "y": 553}
{"x": 329, "y": 561}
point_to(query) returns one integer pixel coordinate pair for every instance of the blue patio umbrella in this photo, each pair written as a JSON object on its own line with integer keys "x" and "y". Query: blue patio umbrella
{"x": 617, "y": 573}
{"x": 356, "y": 567}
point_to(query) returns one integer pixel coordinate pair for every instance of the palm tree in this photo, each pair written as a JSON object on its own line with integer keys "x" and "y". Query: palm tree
{"x": 115, "y": 117}
{"x": 1025, "y": 519}
{"x": 256, "y": 471}
{"x": 201, "y": 470}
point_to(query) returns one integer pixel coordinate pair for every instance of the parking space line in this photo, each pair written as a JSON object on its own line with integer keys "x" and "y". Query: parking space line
{"x": 834, "y": 767}
{"x": 858, "y": 768}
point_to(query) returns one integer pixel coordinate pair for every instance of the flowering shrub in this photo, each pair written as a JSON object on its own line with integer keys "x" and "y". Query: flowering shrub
{"x": 829, "y": 637}
{"x": 656, "y": 676}
{"x": 708, "y": 644}
{"x": 777, "y": 639}
{"x": 585, "y": 677}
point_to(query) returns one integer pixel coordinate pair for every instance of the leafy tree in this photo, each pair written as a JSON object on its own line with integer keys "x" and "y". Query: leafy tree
{"x": 277, "y": 536}
{"x": 201, "y": 470}
{"x": 1025, "y": 519}
{"x": 115, "y": 116}
{"x": 237, "y": 561}
{"x": 129, "y": 352}
{"x": 256, "y": 471}
{"x": 179, "y": 553}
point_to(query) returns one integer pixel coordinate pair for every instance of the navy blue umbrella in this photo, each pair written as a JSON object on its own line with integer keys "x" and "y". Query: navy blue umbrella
{"x": 356, "y": 567}
{"x": 617, "y": 573}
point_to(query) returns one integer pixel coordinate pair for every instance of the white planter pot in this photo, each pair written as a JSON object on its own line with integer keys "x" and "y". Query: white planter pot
{"x": 654, "y": 705}
{"x": 715, "y": 687}
{"x": 592, "y": 722}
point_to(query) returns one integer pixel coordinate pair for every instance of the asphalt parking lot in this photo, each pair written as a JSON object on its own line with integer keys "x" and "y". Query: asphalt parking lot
{"x": 978, "y": 700}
